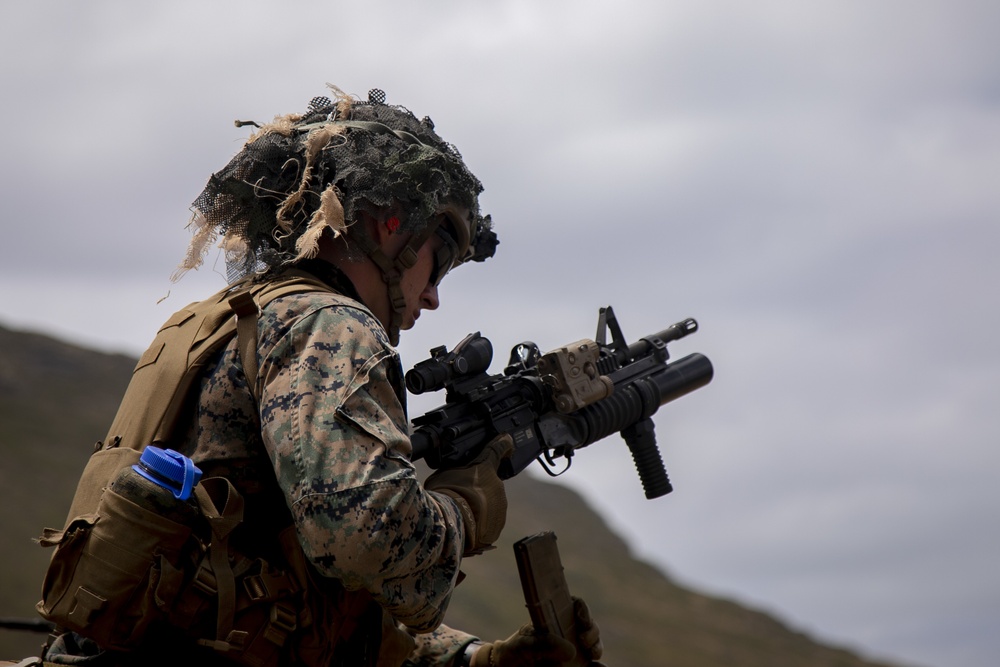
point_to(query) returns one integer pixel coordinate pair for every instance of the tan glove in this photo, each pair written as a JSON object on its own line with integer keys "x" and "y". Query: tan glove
{"x": 588, "y": 635}
{"x": 528, "y": 648}
{"x": 479, "y": 494}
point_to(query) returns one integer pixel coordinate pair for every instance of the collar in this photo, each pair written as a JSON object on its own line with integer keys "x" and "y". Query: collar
{"x": 331, "y": 275}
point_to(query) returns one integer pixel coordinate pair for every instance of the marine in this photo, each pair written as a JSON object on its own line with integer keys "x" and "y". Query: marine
{"x": 320, "y": 545}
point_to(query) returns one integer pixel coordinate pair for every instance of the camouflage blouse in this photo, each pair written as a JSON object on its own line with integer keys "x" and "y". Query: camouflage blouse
{"x": 330, "y": 439}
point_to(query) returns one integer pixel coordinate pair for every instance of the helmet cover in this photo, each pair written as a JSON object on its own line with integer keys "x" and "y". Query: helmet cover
{"x": 304, "y": 175}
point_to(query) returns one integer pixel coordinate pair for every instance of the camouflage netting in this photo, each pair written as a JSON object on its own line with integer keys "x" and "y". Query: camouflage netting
{"x": 302, "y": 175}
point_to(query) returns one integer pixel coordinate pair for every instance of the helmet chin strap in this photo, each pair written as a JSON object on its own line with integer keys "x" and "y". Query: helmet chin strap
{"x": 392, "y": 272}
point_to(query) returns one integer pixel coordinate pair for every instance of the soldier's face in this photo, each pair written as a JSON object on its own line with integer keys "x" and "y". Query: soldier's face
{"x": 419, "y": 292}
{"x": 418, "y": 289}
{"x": 419, "y": 282}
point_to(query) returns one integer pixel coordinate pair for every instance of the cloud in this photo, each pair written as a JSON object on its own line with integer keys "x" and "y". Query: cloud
{"x": 814, "y": 184}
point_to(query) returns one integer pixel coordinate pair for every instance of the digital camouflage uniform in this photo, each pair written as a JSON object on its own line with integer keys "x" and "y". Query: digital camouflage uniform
{"x": 320, "y": 442}
{"x": 330, "y": 445}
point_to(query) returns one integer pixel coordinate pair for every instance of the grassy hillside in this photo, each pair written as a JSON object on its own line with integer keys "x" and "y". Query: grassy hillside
{"x": 56, "y": 400}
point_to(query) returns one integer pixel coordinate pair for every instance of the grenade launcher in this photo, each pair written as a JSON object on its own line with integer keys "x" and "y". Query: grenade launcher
{"x": 555, "y": 403}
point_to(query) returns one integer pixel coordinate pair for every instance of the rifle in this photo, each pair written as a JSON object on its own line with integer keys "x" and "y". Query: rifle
{"x": 553, "y": 404}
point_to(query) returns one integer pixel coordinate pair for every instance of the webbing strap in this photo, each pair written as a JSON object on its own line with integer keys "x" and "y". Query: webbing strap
{"x": 222, "y": 521}
{"x": 246, "y": 311}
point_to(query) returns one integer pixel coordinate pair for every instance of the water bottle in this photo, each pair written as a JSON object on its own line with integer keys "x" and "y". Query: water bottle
{"x": 163, "y": 482}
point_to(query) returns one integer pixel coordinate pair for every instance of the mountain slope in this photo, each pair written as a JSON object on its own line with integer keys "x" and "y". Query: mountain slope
{"x": 56, "y": 400}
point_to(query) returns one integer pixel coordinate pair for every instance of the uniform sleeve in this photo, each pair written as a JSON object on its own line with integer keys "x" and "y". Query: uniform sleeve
{"x": 337, "y": 436}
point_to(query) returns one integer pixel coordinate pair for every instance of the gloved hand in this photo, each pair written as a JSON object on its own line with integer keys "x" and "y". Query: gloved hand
{"x": 528, "y": 648}
{"x": 479, "y": 494}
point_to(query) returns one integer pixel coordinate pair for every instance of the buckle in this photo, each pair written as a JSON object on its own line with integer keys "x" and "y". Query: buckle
{"x": 255, "y": 587}
{"x": 283, "y": 617}
{"x": 282, "y": 623}
{"x": 204, "y": 579}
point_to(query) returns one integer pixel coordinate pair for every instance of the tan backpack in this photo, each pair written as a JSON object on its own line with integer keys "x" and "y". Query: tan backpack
{"x": 119, "y": 569}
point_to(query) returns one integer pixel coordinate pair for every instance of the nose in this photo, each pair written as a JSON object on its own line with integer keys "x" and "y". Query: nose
{"x": 429, "y": 298}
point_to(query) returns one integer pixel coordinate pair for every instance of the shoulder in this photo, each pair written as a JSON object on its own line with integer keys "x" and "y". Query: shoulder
{"x": 321, "y": 326}
{"x": 323, "y": 315}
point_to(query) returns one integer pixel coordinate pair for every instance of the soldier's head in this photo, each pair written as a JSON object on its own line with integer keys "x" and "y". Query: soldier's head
{"x": 361, "y": 183}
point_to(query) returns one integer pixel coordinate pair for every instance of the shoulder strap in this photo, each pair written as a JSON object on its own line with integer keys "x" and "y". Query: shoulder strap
{"x": 246, "y": 310}
{"x": 161, "y": 382}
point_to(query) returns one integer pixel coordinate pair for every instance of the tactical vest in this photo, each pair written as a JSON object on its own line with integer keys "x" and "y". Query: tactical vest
{"x": 119, "y": 572}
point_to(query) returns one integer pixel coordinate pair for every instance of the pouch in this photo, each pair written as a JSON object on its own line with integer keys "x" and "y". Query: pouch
{"x": 115, "y": 571}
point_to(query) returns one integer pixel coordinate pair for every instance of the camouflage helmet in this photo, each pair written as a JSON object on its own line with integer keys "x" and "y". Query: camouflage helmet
{"x": 305, "y": 175}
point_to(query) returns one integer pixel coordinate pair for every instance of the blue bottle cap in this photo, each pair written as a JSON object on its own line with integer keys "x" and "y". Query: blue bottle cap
{"x": 171, "y": 470}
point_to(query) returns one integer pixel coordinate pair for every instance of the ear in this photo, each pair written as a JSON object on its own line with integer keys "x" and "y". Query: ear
{"x": 382, "y": 227}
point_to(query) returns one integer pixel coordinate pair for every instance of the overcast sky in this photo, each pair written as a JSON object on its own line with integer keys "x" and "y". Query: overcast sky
{"x": 815, "y": 182}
